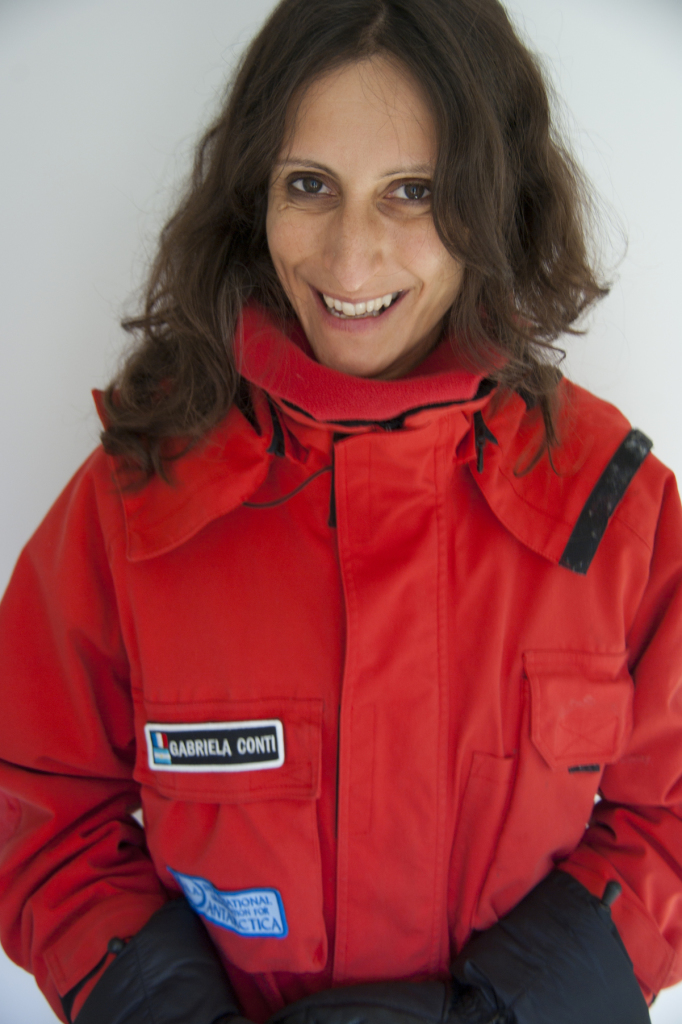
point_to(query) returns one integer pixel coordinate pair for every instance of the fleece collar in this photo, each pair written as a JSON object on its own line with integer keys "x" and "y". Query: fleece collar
{"x": 540, "y": 507}
{"x": 282, "y": 364}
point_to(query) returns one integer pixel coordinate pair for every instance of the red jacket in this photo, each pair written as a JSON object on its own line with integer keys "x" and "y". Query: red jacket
{"x": 425, "y": 665}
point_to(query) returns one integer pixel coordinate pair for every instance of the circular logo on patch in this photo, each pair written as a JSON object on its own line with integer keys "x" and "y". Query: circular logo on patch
{"x": 195, "y": 893}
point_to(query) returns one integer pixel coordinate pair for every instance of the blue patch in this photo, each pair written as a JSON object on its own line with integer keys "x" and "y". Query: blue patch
{"x": 255, "y": 913}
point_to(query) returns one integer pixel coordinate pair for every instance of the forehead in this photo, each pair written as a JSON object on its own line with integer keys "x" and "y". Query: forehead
{"x": 365, "y": 113}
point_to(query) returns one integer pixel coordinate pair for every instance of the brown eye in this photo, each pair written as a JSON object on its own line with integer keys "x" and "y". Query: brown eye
{"x": 311, "y": 186}
{"x": 413, "y": 191}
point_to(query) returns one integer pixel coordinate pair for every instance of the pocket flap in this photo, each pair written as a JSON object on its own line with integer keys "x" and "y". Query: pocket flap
{"x": 231, "y": 751}
{"x": 581, "y": 706}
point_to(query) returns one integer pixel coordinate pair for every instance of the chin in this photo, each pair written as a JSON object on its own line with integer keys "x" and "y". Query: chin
{"x": 350, "y": 358}
{"x": 367, "y": 358}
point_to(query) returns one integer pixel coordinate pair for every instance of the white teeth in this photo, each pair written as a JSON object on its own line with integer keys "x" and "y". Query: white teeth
{"x": 351, "y": 309}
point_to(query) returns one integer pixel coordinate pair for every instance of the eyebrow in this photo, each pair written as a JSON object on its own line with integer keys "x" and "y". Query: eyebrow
{"x": 426, "y": 169}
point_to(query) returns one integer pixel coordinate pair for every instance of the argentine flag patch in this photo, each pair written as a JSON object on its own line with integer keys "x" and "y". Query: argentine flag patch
{"x": 159, "y": 747}
{"x": 254, "y": 913}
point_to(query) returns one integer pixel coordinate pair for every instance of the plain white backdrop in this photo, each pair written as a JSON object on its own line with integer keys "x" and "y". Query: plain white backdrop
{"x": 100, "y": 103}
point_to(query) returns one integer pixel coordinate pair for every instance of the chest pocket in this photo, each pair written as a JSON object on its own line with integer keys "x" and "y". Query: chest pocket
{"x": 581, "y": 708}
{"x": 577, "y": 719}
{"x": 240, "y": 841}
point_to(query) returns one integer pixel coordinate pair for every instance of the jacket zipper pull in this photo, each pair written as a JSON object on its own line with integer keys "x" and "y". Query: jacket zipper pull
{"x": 277, "y": 444}
{"x": 481, "y": 436}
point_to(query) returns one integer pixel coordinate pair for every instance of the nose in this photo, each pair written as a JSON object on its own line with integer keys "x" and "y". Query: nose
{"x": 354, "y": 246}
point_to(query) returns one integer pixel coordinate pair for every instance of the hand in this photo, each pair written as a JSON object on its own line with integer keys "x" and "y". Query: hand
{"x": 229, "y": 1018}
{"x": 167, "y": 973}
{"x": 556, "y": 956}
{"x": 393, "y": 1002}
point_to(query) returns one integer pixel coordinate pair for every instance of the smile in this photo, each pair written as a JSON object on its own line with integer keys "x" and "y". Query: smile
{"x": 357, "y": 310}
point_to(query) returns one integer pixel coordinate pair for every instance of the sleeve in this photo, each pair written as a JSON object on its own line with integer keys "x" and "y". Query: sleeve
{"x": 74, "y": 869}
{"x": 635, "y": 834}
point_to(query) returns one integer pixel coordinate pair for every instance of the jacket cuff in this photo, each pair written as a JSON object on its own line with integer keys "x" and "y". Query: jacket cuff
{"x": 556, "y": 956}
{"x": 654, "y": 960}
{"x": 169, "y": 971}
{"x": 72, "y": 1002}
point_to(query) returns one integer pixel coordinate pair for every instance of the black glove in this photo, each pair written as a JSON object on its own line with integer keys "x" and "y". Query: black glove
{"x": 168, "y": 973}
{"x": 556, "y": 957}
{"x": 393, "y": 1002}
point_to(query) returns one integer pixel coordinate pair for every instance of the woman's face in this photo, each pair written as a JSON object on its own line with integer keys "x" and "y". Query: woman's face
{"x": 349, "y": 222}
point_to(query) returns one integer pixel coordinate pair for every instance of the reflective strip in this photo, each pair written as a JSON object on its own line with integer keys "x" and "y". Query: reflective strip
{"x": 601, "y": 504}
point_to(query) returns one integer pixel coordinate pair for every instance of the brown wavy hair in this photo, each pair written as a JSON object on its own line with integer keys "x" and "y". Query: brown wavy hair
{"x": 508, "y": 201}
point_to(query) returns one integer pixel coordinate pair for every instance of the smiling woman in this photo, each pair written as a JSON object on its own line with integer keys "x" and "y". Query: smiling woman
{"x": 441, "y": 95}
{"x": 374, "y": 615}
{"x": 355, "y": 247}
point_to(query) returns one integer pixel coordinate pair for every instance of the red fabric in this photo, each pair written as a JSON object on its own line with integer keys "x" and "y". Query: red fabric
{"x": 436, "y": 671}
{"x": 285, "y": 368}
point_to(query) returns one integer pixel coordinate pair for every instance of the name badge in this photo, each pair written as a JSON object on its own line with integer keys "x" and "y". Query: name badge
{"x": 215, "y": 746}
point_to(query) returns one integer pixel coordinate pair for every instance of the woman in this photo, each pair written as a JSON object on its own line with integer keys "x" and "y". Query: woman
{"x": 354, "y": 596}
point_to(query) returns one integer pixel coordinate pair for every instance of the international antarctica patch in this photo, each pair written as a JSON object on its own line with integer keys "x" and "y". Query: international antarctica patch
{"x": 215, "y": 746}
{"x": 254, "y": 913}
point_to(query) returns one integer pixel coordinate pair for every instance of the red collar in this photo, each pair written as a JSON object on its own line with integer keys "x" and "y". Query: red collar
{"x": 540, "y": 508}
{"x": 282, "y": 365}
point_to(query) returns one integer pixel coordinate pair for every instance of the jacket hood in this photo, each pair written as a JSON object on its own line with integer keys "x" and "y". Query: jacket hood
{"x": 540, "y": 506}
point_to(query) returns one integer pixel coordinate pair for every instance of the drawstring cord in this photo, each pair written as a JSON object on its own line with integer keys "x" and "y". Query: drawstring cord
{"x": 277, "y": 448}
{"x": 280, "y": 501}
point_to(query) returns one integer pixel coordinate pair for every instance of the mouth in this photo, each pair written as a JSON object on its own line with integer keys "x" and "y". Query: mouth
{"x": 343, "y": 310}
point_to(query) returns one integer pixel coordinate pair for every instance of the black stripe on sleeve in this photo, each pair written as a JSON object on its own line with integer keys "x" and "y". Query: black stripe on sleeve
{"x": 607, "y": 492}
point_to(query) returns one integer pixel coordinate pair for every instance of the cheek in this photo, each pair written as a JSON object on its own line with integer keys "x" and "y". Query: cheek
{"x": 451, "y": 272}
{"x": 289, "y": 239}
{"x": 428, "y": 259}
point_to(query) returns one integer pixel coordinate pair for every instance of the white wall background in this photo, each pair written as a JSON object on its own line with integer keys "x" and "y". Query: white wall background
{"x": 100, "y": 101}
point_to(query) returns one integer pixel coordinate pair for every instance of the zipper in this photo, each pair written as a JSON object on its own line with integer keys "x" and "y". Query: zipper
{"x": 338, "y": 772}
{"x": 331, "y": 522}
{"x": 337, "y": 436}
